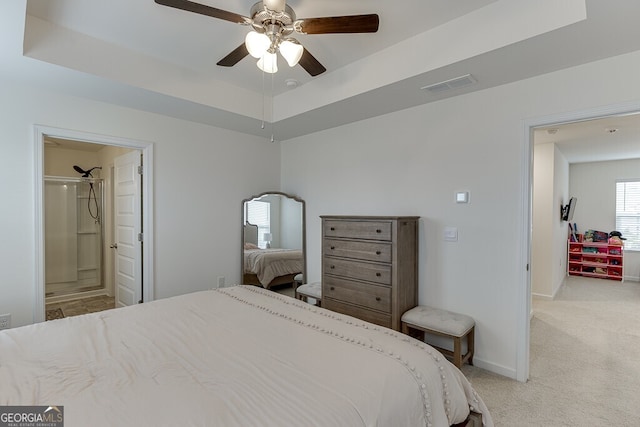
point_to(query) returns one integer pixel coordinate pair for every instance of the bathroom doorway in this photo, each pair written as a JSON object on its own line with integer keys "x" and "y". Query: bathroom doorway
{"x": 75, "y": 217}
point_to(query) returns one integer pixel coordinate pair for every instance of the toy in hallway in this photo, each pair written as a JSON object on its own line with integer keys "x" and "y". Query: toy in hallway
{"x": 595, "y": 236}
{"x": 615, "y": 238}
{"x": 573, "y": 232}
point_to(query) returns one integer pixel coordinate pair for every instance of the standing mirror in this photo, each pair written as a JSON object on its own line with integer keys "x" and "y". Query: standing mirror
{"x": 273, "y": 239}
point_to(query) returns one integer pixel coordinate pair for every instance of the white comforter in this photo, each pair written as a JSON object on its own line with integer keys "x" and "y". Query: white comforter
{"x": 239, "y": 356}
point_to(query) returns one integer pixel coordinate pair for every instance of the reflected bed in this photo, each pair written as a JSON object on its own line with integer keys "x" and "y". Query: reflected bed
{"x": 269, "y": 267}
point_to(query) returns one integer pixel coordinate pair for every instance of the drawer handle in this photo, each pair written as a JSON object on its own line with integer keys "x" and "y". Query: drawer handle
{"x": 333, "y": 229}
{"x": 378, "y": 252}
{"x": 332, "y": 267}
{"x": 378, "y": 274}
{"x": 333, "y": 247}
{"x": 377, "y": 298}
{"x": 378, "y": 231}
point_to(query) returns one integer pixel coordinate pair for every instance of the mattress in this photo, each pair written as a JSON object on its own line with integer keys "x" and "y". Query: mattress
{"x": 238, "y": 356}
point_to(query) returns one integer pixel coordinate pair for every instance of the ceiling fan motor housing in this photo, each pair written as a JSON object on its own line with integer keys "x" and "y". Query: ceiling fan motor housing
{"x": 268, "y": 21}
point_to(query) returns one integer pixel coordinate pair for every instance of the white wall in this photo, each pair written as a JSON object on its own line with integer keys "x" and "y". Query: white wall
{"x": 201, "y": 176}
{"x": 60, "y": 162}
{"x": 549, "y": 232}
{"x": 291, "y": 223}
{"x": 412, "y": 162}
{"x": 594, "y": 184}
{"x": 560, "y": 228}
{"x": 542, "y": 227}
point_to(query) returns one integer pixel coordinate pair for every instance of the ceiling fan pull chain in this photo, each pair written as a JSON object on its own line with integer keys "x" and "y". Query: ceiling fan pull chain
{"x": 273, "y": 120}
{"x": 263, "y": 101}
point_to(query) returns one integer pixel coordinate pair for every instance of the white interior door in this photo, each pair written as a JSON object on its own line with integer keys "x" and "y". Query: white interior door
{"x": 128, "y": 229}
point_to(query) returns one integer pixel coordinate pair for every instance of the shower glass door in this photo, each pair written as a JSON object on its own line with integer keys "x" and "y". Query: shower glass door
{"x": 73, "y": 236}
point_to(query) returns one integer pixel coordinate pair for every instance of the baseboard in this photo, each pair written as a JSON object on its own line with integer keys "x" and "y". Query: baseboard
{"x": 542, "y": 296}
{"x": 495, "y": 368}
{"x": 79, "y": 295}
{"x": 631, "y": 279}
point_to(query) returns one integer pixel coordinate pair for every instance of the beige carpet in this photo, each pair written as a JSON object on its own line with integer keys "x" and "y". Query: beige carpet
{"x": 585, "y": 361}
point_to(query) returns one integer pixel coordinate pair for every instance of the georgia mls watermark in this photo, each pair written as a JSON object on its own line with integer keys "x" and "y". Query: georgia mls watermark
{"x": 31, "y": 416}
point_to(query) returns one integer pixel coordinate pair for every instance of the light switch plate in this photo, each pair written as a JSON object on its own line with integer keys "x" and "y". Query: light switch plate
{"x": 462, "y": 197}
{"x": 451, "y": 234}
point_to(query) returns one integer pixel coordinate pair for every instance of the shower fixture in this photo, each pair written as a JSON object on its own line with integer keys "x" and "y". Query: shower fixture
{"x": 85, "y": 173}
{"x": 92, "y": 192}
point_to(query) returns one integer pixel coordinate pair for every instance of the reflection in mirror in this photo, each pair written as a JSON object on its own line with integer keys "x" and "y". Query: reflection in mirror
{"x": 273, "y": 240}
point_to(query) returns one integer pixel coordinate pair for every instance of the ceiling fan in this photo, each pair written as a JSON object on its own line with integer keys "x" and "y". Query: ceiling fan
{"x": 273, "y": 21}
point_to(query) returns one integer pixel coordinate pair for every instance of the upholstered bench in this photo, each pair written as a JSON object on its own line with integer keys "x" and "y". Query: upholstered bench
{"x": 310, "y": 290}
{"x": 297, "y": 281}
{"x": 422, "y": 318}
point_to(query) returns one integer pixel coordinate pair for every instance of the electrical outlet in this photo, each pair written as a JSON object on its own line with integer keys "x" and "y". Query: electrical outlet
{"x": 221, "y": 281}
{"x": 5, "y": 321}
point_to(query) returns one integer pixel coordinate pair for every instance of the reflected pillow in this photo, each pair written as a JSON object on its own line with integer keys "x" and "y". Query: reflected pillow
{"x": 250, "y": 246}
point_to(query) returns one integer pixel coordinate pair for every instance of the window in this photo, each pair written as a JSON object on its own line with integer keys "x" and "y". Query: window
{"x": 259, "y": 213}
{"x": 628, "y": 213}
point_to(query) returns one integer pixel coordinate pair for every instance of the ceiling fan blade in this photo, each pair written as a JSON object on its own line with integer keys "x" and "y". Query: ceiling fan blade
{"x": 203, "y": 9}
{"x": 234, "y": 57}
{"x": 340, "y": 24}
{"x": 311, "y": 64}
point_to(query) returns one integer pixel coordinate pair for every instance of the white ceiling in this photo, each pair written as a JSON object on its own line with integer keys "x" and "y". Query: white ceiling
{"x": 608, "y": 138}
{"x": 143, "y": 55}
{"x": 197, "y": 42}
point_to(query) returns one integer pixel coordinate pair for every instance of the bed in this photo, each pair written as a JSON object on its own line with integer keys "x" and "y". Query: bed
{"x": 268, "y": 267}
{"x": 238, "y": 356}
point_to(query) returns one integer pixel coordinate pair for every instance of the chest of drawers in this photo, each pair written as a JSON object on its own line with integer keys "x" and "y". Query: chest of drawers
{"x": 370, "y": 266}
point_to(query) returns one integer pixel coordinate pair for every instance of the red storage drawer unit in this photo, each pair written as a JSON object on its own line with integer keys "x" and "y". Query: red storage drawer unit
{"x": 595, "y": 259}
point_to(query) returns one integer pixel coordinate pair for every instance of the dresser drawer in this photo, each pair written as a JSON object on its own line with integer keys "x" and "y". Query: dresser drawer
{"x": 370, "y": 251}
{"x": 378, "y": 273}
{"x": 367, "y": 315}
{"x": 362, "y": 294}
{"x": 368, "y": 230}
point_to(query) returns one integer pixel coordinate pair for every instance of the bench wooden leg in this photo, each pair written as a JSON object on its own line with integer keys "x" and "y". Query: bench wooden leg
{"x": 457, "y": 352}
{"x": 471, "y": 345}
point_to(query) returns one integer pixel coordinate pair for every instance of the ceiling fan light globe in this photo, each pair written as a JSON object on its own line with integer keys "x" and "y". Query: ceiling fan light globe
{"x": 257, "y": 44}
{"x": 268, "y": 63}
{"x": 291, "y": 51}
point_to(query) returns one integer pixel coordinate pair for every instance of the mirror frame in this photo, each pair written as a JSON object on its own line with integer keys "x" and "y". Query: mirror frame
{"x": 304, "y": 230}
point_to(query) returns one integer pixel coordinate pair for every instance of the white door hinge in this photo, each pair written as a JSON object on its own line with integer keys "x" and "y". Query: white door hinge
{"x": 140, "y": 237}
{"x": 140, "y": 170}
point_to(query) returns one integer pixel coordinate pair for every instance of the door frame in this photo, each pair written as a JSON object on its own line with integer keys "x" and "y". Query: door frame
{"x": 524, "y": 313}
{"x": 40, "y": 131}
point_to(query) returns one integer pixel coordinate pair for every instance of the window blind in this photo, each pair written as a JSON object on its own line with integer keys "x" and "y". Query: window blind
{"x": 259, "y": 213}
{"x": 628, "y": 213}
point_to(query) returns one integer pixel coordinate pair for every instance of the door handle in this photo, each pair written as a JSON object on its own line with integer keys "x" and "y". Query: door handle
{"x": 114, "y": 246}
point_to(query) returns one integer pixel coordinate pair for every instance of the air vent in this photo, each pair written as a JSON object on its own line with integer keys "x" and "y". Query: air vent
{"x": 455, "y": 83}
